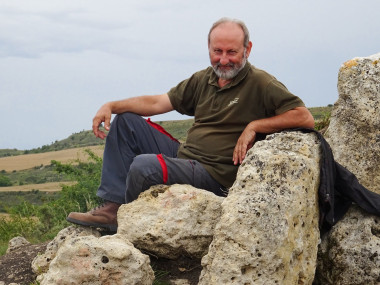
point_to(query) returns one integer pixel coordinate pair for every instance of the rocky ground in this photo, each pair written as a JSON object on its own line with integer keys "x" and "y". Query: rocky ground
{"x": 15, "y": 267}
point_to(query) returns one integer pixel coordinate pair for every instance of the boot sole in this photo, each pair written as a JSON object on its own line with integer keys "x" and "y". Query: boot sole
{"x": 110, "y": 228}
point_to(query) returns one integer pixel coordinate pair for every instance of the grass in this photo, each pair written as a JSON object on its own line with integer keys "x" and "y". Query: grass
{"x": 15, "y": 198}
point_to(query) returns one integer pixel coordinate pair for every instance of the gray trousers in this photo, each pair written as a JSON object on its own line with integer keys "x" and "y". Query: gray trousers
{"x": 137, "y": 156}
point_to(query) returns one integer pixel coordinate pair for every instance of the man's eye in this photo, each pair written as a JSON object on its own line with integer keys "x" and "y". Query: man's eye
{"x": 232, "y": 52}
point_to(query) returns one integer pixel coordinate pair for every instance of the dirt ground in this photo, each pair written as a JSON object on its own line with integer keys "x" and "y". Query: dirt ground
{"x": 16, "y": 267}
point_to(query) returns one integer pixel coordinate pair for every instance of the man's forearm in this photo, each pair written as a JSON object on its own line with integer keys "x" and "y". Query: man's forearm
{"x": 143, "y": 105}
{"x": 298, "y": 117}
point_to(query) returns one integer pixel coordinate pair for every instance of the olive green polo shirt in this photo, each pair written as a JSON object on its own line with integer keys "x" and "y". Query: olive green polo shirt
{"x": 221, "y": 114}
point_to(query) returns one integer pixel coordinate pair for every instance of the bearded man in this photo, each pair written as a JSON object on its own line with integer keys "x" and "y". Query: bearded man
{"x": 232, "y": 102}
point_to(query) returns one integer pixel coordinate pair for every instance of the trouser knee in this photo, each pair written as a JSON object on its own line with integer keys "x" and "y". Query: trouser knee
{"x": 145, "y": 171}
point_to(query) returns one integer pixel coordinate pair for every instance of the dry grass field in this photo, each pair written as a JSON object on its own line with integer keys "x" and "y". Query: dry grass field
{"x": 28, "y": 161}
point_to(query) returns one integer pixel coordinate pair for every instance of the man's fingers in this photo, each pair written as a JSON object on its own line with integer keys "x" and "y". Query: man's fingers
{"x": 239, "y": 153}
{"x": 107, "y": 122}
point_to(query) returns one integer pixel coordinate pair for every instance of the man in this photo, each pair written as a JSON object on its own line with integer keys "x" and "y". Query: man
{"x": 231, "y": 102}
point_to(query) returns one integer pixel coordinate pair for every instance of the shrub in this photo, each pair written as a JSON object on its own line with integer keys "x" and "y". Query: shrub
{"x": 5, "y": 181}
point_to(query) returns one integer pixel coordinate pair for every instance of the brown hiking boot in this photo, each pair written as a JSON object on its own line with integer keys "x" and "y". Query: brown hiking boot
{"x": 103, "y": 216}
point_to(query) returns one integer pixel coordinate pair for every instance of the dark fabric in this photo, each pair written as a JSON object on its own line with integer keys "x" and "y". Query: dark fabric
{"x": 131, "y": 166}
{"x": 130, "y": 135}
{"x": 339, "y": 188}
{"x": 146, "y": 171}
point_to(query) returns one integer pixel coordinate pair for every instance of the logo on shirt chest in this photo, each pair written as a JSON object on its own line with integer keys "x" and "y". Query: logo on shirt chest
{"x": 235, "y": 101}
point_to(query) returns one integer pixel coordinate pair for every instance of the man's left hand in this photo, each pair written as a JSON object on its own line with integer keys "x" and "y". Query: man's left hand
{"x": 244, "y": 143}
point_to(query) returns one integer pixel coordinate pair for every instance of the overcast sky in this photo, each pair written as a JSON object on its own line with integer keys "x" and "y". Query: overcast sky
{"x": 60, "y": 60}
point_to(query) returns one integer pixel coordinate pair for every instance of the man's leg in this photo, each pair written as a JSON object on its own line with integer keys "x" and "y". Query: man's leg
{"x": 150, "y": 169}
{"x": 130, "y": 135}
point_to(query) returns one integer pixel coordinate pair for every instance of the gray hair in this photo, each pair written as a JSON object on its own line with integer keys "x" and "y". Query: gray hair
{"x": 236, "y": 21}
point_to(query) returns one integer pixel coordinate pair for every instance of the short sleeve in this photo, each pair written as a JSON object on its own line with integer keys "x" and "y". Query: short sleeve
{"x": 184, "y": 96}
{"x": 279, "y": 97}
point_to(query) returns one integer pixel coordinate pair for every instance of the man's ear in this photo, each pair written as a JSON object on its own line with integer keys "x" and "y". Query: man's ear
{"x": 249, "y": 47}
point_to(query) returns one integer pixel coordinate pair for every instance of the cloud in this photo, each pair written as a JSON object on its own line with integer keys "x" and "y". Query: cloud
{"x": 60, "y": 60}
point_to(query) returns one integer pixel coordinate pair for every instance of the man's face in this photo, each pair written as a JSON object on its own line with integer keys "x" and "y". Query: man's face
{"x": 226, "y": 49}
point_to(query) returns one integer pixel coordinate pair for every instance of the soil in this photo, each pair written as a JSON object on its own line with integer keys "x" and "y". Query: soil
{"x": 15, "y": 267}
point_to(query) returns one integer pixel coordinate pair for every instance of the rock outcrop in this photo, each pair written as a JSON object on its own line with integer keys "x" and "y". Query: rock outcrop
{"x": 96, "y": 261}
{"x": 171, "y": 221}
{"x": 350, "y": 252}
{"x": 354, "y": 130}
{"x": 268, "y": 232}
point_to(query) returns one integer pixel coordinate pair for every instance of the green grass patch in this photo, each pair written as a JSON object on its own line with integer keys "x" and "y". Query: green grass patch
{"x": 3, "y": 247}
{"x": 12, "y": 199}
{"x": 36, "y": 175}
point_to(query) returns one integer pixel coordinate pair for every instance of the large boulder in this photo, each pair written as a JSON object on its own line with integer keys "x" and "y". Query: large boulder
{"x": 268, "y": 232}
{"x": 354, "y": 130}
{"x": 96, "y": 261}
{"x": 350, "y": 252}
{"x": 170, "y": 221}
{"x": 40, "y": 263}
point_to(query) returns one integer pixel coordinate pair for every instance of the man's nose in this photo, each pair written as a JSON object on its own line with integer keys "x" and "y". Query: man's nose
{"x": 224, "y": 59}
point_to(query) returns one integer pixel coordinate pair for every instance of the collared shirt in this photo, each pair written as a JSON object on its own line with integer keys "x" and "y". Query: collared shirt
{"x": 221, "y": 114}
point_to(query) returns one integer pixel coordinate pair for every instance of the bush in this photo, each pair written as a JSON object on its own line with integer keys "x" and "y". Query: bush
{"x": 5, "y": 181}
{"x": 321, "y": 125}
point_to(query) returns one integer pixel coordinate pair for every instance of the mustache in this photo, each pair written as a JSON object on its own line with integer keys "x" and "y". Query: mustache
{"x": 217, "y": 65}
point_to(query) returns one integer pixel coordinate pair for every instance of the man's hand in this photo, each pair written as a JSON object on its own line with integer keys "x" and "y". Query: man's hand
{"x": 244, "y": 143}
{"x": 103, "y": 115}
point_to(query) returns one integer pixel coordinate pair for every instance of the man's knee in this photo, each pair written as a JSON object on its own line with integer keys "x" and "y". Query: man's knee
{"x": 126, "y": 118}
{"x": 145, "y": 171}
{"x": 142, "y": 164}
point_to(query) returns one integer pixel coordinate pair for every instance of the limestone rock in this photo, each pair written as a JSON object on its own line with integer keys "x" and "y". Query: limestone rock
{"x": 268, "y": 232}
{"x": 40, "y": 263}
{"x": 354, "y": 131}
{"x": 170, "y": 221}
{"x": 16, "y": 243}
{"x": 104, "y": 260}
{"x": 350, "y": 254}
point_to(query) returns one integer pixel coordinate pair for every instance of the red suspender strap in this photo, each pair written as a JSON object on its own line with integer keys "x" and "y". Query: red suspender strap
{"x": 160, "y": 129}
{"x": 164, "y": 167}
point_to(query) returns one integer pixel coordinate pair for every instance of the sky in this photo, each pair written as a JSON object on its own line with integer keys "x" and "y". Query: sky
{"x": 60, "y": 60}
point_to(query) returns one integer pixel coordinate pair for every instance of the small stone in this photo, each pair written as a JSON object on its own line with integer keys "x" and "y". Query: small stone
{"x": 16, "y": 243}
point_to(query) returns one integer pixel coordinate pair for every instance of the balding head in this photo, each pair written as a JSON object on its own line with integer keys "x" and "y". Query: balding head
{"x": 226, "y": 20}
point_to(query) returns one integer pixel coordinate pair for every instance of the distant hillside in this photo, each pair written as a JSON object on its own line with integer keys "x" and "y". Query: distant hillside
{"x": 177, "y": 129}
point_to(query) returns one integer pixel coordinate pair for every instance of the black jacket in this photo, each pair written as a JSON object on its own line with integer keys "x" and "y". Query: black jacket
{"x": 339, "y": 188}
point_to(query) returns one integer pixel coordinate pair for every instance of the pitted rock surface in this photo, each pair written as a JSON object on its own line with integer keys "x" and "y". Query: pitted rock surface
{"x": 349, "y": 253}
{"x": 354, "y": 130}
{"x": 40, "y": 263}
{"x": 170, "y": 221}
{"x": 268, "y": 232}
{"x": 96, "y": 261}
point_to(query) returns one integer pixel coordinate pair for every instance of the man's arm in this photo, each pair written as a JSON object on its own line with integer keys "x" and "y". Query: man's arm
{"x": 144, "y": 106}
{"x": 297, "y": 117}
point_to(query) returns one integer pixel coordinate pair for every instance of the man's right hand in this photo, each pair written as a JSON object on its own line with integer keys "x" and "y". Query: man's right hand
{"x": 103, "y": 115}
